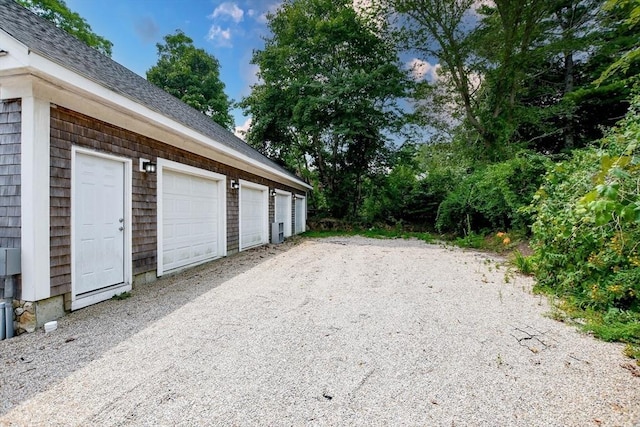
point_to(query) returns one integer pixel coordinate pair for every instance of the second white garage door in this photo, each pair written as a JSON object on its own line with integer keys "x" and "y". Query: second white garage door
{"x": 254, "y": 215}
{"x": 191, "y": 218}
{"x": 283, "y": 211}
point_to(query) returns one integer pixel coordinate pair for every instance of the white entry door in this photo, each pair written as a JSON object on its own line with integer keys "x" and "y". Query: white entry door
{"x": 283, "y": 212}
{"x": 99, "y": 222}
{"x": 254, "y": 212}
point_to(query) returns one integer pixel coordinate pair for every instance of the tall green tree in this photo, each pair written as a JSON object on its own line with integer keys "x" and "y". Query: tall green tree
{"x": 57, "y": 12}
{"x": 564, "y": 108}
{"x": 328, "y": 95}
{"x": 631, "y": 19}
{"x": 483, "y": 52}
{"x": 193, "y": 76}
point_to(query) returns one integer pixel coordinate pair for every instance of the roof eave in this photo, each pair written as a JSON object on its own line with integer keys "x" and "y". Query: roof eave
{"x": 62, "y": 86}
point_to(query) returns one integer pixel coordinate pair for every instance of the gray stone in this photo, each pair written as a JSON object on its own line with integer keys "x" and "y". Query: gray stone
{"x": 28, "y": 306}
{"x": 49, "y": 309}
{"x": 27, "y": 321}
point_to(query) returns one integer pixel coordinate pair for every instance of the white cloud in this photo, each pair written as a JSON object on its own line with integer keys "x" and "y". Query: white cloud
{"x": 475, "y": 81}
{"x": 478, "y": 4}
{"x": 219, "y": 36}
{"x": 372, "y": 11}
{"x": 272, "y": 8}
{"x": 361, "y": 6}
{"x": 250, "y": 76}
{"x": 228, "y": 10}
{"x": 421, "y": 70}
{"x": 241, "y": 131}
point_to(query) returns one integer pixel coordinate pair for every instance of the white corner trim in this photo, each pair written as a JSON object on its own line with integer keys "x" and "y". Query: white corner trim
{"x": 102, "y": 295}
{"x": 34, "y": 200}
{"x": 163, "y": 164}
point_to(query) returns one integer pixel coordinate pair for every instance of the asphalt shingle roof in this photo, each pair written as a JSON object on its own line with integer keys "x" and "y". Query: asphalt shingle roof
{"x": 45, "y": 39}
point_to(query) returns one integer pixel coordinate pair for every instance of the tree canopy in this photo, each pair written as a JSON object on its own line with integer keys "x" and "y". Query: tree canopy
{"x": 57, "y": 12}
{"x": 329, "y": 88}
{"x": 192, "y": 75}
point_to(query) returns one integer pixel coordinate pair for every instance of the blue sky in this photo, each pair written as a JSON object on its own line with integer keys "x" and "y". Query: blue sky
{"x": 228, "y": 30}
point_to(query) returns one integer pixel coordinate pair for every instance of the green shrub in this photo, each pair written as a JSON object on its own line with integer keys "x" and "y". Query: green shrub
{"x": 523, "y": 263}
{"x": 389, "y": 195}
{"x": 412, "y": 190}
{"x": 586, "y": 236}
{"x": 427, "y": 195}
{"x": 491, "y": 198}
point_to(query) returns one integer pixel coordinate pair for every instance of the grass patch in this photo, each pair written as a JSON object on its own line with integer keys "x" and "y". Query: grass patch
{"x": 633, "y": 352}
{"x": 471, "y": 241}
{"x": 523, "y": 263}
{"x": 500, "y": 242}
{"x": 375, "y": 233}
{"x": 614, "y": 325}
{"x": 121, "y": 296}
{"x": 326, "y": 233}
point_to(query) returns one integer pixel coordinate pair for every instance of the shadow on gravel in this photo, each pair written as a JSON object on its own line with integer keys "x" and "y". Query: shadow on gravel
{"x": 32, "y": 363}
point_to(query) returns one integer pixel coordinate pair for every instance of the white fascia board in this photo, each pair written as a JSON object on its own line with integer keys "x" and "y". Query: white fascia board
{"x": 70, "y": 80}
{"x": 16, "y": 86}
{"x": 17, "y": 54}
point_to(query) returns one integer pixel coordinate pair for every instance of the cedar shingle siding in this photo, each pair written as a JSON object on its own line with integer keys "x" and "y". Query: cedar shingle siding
{"x": 10, "y": 125}
{"x": 70, "y": 128}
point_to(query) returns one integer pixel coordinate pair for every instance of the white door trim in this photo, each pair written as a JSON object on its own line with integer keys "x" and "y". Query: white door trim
{"x": 265, "y": 225}
{"x": 222, "y": 196}
{"x": 102, "y": 294}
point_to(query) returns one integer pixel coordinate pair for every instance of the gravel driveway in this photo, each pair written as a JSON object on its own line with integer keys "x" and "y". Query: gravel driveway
{"x": 338, "y": 331}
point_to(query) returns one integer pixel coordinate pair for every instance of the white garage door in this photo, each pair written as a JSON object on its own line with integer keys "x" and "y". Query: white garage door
{"x": 283, "y": 212}
{"x": 192, "y": 231}
{"x": 253, "y": 215}
{"x": 301, "y": 214}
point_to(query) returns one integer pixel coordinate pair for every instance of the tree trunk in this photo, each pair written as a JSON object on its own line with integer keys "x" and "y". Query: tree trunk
{"x": 568, "y": 87}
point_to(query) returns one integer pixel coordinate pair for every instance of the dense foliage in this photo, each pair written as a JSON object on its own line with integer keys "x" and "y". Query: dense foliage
{"x": 57, "y": 12}
{"x": 193, "y": 76}
{"x": 587, "y": 231}
{"x": 491, "y": 197}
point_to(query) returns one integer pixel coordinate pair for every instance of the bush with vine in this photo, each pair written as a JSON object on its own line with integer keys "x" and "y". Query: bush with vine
{"x": 586, "y": 236}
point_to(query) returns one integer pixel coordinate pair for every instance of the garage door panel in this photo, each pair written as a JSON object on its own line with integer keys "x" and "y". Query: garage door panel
{"x": 301, "y": 213}
{"x": 253, "y": 211}
{"x": 191, "y": 213}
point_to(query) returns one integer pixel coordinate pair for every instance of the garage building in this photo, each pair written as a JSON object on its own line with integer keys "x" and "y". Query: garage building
{"x": 107, "y": 181}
